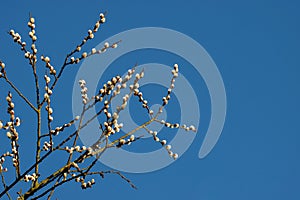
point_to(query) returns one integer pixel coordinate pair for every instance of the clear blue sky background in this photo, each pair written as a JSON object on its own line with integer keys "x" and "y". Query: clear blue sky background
{"x": 254, "y": 43}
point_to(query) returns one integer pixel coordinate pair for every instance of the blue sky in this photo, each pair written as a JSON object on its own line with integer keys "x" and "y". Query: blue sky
{"x": 255, "y": 45}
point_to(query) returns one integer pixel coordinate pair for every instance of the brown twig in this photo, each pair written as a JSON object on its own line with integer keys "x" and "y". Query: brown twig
{"x": 20, "y": 93}
{"x": 4, "y": 185}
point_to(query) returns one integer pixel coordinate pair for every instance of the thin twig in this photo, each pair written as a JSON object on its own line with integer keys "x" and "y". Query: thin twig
{"x": 38, "y": 144}
{"x": 52, "y": 191}
{"x": 20, "y": 93}
{"x": 118, "y": 173}
{"x": 4, "y": 185}
{"x": 77, "y": 133}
